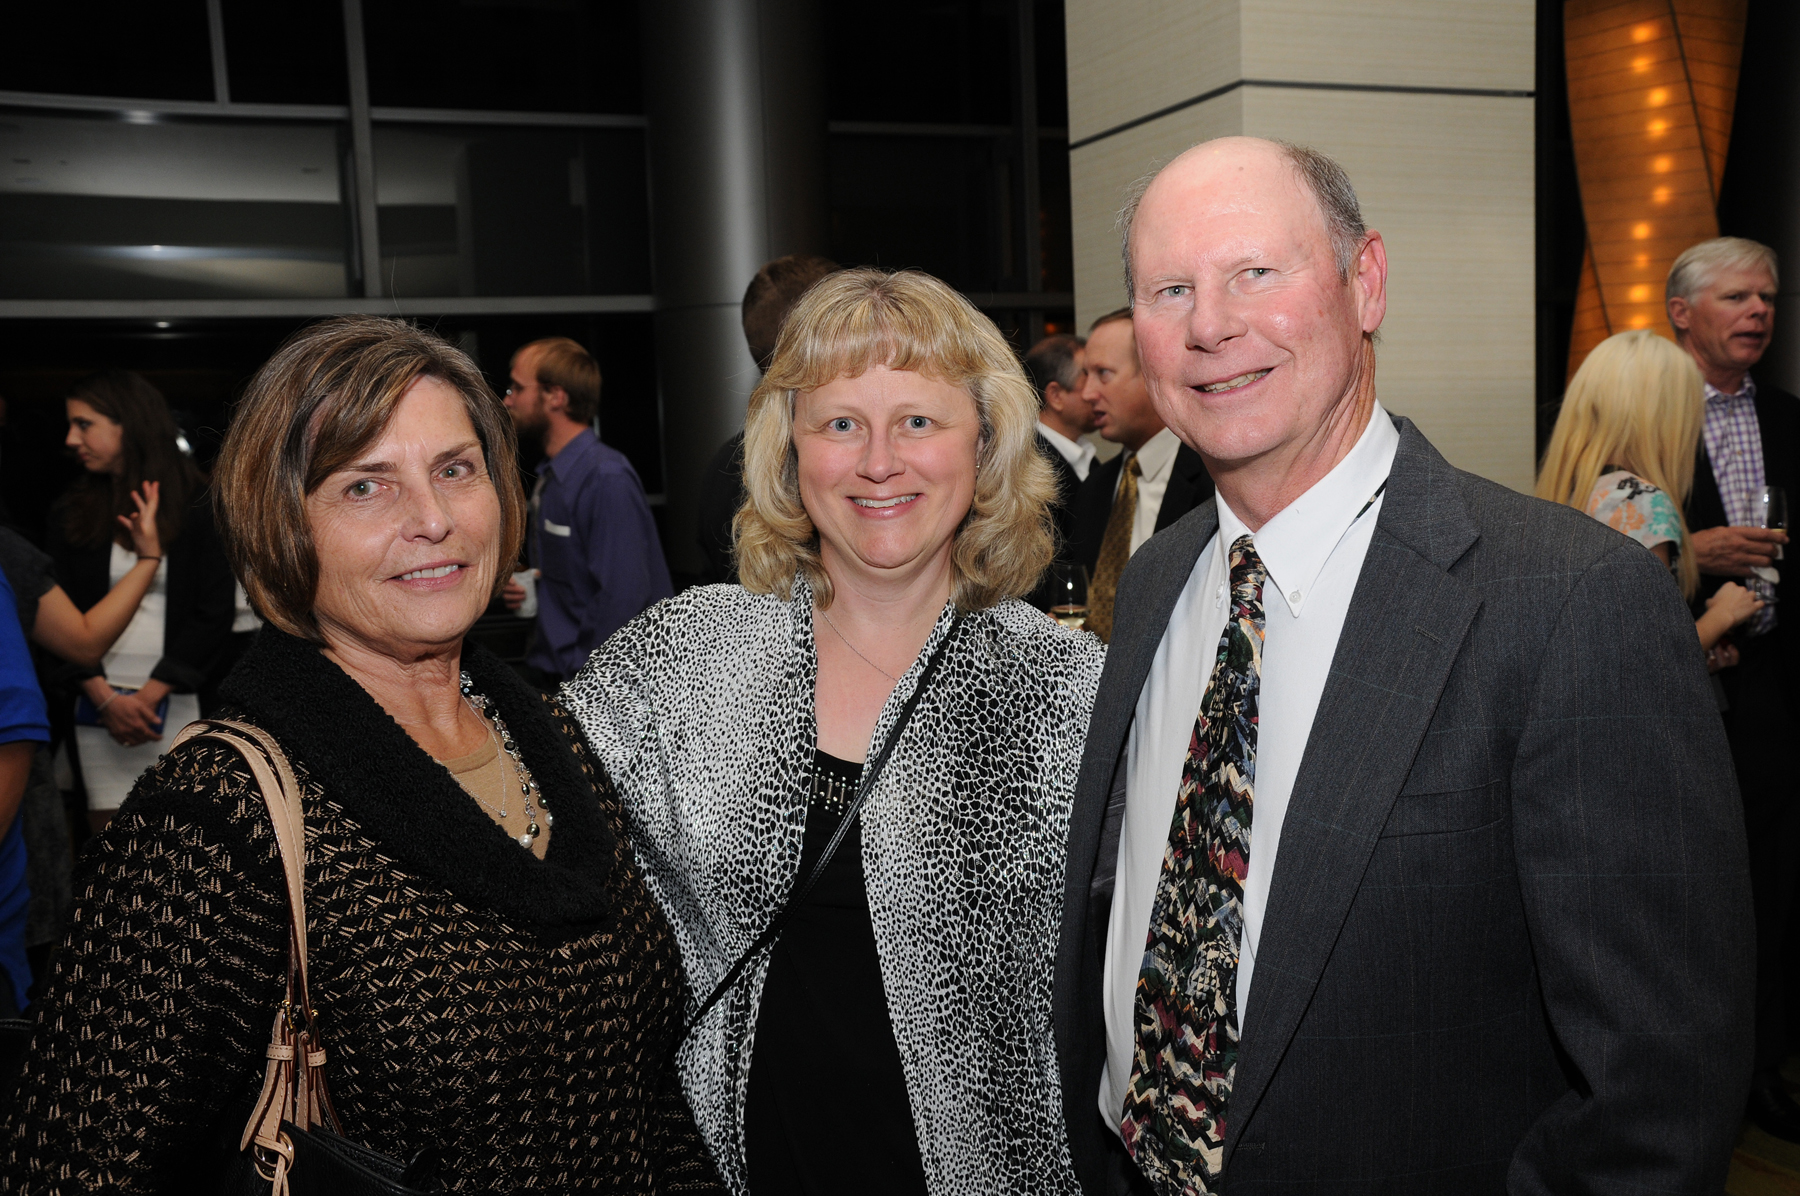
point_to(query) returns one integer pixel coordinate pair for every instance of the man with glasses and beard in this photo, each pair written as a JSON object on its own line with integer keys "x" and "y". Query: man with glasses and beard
{"x": 591, "y": 538}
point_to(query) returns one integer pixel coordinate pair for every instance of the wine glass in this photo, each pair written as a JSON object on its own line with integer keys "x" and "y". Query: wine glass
{"x": 1772, "y": 511}
{"x": 1068, "y": 586}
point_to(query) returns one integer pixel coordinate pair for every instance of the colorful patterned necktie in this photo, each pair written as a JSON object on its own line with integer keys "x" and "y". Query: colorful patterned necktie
{"x": 1115, "y": 550}
{"x": 1185, "y": 1009}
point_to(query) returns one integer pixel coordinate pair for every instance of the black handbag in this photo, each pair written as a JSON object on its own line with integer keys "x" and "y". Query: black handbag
{"x": 293, "y": 1144}
{"x": 871, "y": 772}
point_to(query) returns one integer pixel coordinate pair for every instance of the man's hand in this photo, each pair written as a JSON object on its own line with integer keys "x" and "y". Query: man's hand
{"x": 1735, "y": 551}
{"x": 513, "y": 595}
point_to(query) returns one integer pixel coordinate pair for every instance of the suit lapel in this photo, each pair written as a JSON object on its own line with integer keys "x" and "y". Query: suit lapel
{"x": 1189, "y": 486}
{"x": 1147, "y": 593}
{"x": 1406, "y": 624}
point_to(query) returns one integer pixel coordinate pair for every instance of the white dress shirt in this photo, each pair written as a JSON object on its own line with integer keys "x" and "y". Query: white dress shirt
{"x": 1078, "y": 453}
{"x": 1313, "y": 550}
{"x": 1157, "y": 461}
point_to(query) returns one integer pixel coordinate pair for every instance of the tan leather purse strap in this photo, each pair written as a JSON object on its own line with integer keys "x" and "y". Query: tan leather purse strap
{"x": 294, "y": 1085}
{"x": 281, "y": 793}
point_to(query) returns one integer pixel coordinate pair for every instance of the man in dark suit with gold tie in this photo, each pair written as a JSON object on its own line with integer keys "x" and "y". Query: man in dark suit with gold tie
{"x": 1154, "y": 482}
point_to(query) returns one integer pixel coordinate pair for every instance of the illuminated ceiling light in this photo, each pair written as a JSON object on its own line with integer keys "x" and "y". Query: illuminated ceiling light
{"x": 1640, "y": 294}
{"x": 1657, "y": 127}
{"x": 162, "y": 323}
{"x": 1660, "y": 195}
{"x": 1642, "y": 260}
{"x": 1662, "y": 164}
{"x": 1640, "y": 65}
{"x": 1640, "y": 230}
{"x": 1643, "y": 33}
{"x": 1640, "y": 321}
{"x": 1658, "y": 98}
{"x": 139, "y": 117}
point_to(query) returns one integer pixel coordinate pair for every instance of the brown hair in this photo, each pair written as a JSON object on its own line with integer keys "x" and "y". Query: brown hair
{"x": 844, "y": 325}
{"x": 772, "y": 294}
{"x": 151, "y": 453}
{"x": 313, "y": 408}
{"x": 563, "y": 362}
{"x": 1052, "y": 360}
{"x": 1111, "y": 317}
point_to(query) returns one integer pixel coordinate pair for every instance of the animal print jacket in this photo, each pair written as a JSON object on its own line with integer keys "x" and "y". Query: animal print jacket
{"x": 702, "y": 711}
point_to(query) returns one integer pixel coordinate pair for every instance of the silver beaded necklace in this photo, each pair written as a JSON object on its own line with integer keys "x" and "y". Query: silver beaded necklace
{"x": 535, "y": 806}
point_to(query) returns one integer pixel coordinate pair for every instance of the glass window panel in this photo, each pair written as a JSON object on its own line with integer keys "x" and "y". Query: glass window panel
{"x": 484, "y": 210}
{"x": 938, "y": 62}
{"x": 286, "y": 51}
{"x": 128, "y": 48}
{"x": 1052, "y": 65}
{"x": 1056, "y": 238}
{"x": 946, "y": 205}
{"x": 93, "y": 207}
{"x": 510, "y": 55}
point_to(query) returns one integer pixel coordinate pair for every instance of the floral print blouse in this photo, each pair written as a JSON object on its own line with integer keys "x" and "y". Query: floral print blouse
{"x": 1627, "y": 503}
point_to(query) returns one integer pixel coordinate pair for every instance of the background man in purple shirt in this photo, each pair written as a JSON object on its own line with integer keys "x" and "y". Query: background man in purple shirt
{"x": 1721, "y": 297}
{"x": 592, "y": 538}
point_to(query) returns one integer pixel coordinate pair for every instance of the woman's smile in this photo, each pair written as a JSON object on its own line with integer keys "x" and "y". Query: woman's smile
{"x": 885, "y": 506}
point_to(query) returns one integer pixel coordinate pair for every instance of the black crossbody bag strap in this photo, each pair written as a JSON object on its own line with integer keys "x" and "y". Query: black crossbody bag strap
{"x": 871, "y": 773}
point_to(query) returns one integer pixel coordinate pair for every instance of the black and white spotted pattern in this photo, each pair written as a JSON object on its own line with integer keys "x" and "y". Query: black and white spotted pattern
{"x": 702, "y": 710}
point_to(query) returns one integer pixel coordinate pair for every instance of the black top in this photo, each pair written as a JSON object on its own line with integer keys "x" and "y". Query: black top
{"x": 1062, "y": 517}
{"x": 27, "y": 569}
{"x": 455, "y": 973}
{"x": 721, "y": 494}
{"x": 202, "y": 598}
{"x": 827, "y": 1109}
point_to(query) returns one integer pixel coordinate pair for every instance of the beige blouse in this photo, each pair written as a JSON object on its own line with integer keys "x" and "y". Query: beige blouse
{"x": 491, "y": 778}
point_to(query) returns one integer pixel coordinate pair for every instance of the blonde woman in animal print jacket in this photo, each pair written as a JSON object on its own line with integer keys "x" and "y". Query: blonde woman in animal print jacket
{"x": 897, "y": 1038}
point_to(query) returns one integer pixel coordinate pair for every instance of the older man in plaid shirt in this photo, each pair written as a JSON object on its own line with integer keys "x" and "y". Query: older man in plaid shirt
{"x": 1721, "y": 297}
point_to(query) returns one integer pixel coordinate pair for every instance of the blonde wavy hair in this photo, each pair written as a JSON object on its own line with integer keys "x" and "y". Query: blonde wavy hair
{"x": 1636, "y": 403}
{"x": 846, "y": 324}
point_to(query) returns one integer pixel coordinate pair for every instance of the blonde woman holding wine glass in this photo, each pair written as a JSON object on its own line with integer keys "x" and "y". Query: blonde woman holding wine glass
{"x": 848, "y": 779}
{"x": 1623, "y": 451}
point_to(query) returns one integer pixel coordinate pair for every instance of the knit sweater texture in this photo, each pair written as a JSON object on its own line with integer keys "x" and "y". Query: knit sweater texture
{"x": 510, "y": 1012}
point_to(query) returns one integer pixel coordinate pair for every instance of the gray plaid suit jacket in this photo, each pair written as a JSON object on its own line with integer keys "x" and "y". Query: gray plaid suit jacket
{"x": 1508, "y": 940}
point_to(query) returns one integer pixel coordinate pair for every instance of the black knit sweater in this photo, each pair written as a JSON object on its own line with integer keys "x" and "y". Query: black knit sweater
{"x": 512, "y": 1012}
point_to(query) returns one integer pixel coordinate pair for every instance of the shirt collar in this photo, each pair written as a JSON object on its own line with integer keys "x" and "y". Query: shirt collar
{"x": 1157, "y": 456}
{"x": 1073, "y": 451}
{"x": 1296, "y": 544}
{"x": 1747, "y": 392}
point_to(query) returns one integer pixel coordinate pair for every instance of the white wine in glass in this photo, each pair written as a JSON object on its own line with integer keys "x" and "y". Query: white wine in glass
{"x": 1069, "y": 595}
{"x": 1771, "y": 511}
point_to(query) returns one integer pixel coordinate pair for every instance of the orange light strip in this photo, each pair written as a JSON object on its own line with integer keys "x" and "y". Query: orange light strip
{"x": 1652, "y": 84}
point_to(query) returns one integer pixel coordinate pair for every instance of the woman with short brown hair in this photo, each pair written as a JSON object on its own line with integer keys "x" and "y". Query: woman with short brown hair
{"x": 489, "y": 976}
{"x": 897, "y": 1038}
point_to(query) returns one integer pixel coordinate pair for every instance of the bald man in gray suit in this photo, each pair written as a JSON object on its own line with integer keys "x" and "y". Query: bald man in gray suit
{"x": 1406, "y": 855}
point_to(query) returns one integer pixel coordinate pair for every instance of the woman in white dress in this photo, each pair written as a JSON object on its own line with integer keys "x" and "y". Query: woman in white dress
{"x": 142, "y": 692}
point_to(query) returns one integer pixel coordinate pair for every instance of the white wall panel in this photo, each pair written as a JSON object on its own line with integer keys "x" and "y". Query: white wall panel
{"x": 1447, "y": 179}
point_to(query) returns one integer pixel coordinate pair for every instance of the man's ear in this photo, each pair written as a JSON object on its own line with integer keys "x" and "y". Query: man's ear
{"x": 1055, "y": 396}
{"x": 1680, "y": 314}
{"x": 555, "y": 399}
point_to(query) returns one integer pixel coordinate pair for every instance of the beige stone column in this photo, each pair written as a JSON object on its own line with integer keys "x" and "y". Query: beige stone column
{"x": 1427, "y": 103}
